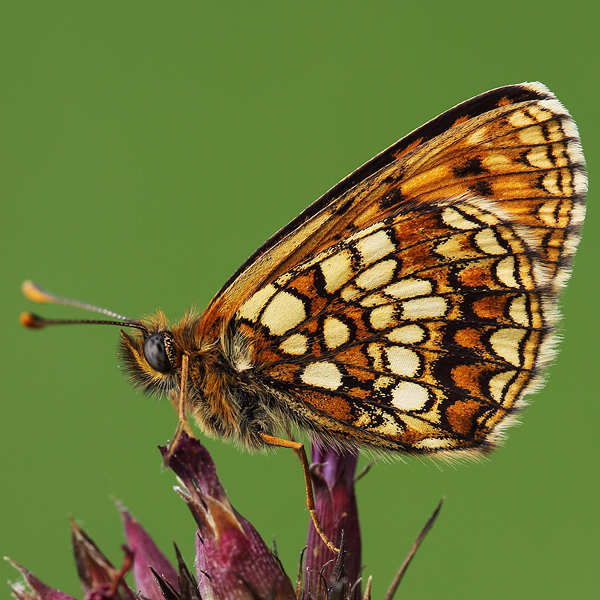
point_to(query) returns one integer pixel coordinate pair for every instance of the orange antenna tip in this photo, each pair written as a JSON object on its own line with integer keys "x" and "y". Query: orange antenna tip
{"x": 35, "y": 293}
{"x": 31, "y": 321}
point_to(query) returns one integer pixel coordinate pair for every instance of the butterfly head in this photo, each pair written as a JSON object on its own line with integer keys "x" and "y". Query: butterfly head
{"x": 152, "y": 355}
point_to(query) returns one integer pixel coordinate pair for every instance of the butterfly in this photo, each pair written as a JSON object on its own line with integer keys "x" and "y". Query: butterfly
{"x": 409, "y": 309}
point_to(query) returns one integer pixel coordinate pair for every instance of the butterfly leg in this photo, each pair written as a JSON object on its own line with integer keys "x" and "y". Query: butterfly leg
{"x": 179, "y": 405}
{"x": 174, "y": 398}
{"x": 310, "y": 500}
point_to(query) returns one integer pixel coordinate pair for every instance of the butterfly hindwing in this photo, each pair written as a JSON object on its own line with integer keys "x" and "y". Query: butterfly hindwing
{"x": 421, "y": 330}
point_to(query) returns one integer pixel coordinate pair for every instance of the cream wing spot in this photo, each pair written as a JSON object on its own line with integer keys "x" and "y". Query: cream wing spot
{"x": 283, "y": 313}
{"x": 363, "y": 420}
{"x": 518, "y": 311}
{"x": 496, "y": 161}
{"x": 455, "y": 219}
{"x": 251, "y": 308}
{"x": 519, "y": 119}
{"x": 383, "y": 317}
{"x": 296, "y": 345}
{"x": 478, "y": 136}
{"x": 436, "y": 443}
{"x": 409, "y": 334}
{"x": 505, "y": 343}
{"x": 374, "y": 247}
{"x": 409, "y": 396}
{"x": 403, "y": 361}
{"x": 374, "y": 299}
{"x": 505, "y": 271}
{"x": 537, "y": 157}
{"x": 336, "y": 332}
{"x": 430, "y": 307}
{"x": 409, "y": 288}
{"x": 488, "y": 242}
{"x": 375, "y": 351}
{"x": 350, "y": 292}
{"x": 555, "y": 132}
{"x": 389, "y": 427}
{"x": 323, "y": 375}
{"x": 550, "y": 183}
{"x": 547, "y": 212}
{"x": 452, "y": 248}
{"x": 559, "y": 155}
{"x": 377, "y": 275}
{"x": 484, "y": 217}
{"x": 498, "y": 384}
{"x": 566, "y": 181}
{"x": 532, "y": 136}
{"x": 337, "y": 270}
{"x": 545, "y": 109}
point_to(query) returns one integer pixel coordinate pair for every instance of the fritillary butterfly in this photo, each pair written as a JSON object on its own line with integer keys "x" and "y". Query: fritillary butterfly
{"x": 411, "y": 308}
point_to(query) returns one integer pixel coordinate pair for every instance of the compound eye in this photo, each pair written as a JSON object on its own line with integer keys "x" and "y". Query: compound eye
{"x": 156, "y": 353}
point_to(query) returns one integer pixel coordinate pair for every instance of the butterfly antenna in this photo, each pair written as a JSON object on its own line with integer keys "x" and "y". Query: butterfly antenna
{"x": 35, "y": 293}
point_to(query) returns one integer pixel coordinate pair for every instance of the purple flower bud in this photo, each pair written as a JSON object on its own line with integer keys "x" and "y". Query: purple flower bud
{"x": 145, "y": 555}
{"x": 39, "y": 590}
{"x": 232, "y": 560}
{"x": 99, "y": 579}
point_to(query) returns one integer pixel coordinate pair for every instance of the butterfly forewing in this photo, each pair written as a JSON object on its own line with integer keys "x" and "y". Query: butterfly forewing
{"x": 413, "y": 305}
{"x": 490, "y": 145}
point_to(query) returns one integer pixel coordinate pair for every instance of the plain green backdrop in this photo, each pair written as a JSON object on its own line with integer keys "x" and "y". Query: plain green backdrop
{"x": 146, "y": 149}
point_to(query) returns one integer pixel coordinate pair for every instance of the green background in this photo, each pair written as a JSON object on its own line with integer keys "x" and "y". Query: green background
{"x": 147, "y": 148}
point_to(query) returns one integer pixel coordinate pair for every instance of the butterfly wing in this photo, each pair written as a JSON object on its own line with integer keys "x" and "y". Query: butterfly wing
{"x": 413, "y": 306}
{"x": 512, "y": 111}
